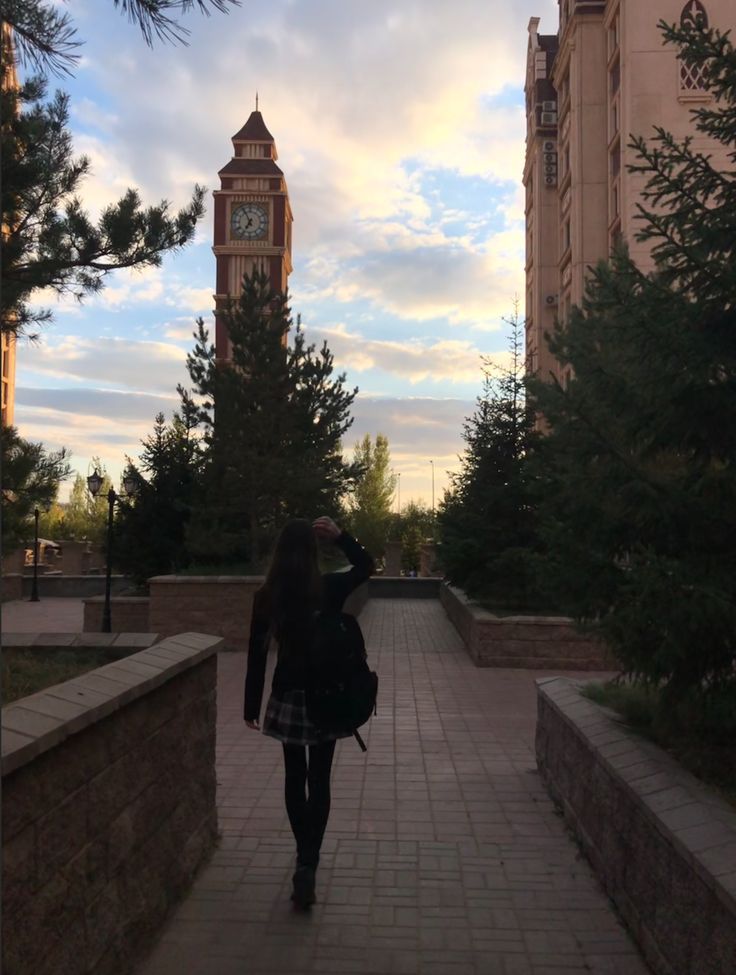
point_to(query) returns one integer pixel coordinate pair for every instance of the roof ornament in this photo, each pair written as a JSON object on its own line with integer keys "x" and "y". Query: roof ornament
{"x": 256, "y": 101}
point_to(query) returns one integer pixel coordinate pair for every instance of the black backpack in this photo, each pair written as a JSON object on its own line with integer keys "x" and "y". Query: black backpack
{"x": 341, "y": 691}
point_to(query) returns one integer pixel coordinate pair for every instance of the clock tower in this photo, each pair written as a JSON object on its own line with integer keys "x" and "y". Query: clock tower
{"x": 252, "y": 219}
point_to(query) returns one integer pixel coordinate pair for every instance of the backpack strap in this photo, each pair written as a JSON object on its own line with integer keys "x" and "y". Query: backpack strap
{"x": 360, "y": 741}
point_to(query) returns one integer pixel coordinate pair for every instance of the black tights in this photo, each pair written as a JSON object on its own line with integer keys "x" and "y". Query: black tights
{"x": 308, "y": 814}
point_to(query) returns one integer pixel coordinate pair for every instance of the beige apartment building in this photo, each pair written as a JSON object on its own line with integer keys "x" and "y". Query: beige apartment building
{"x": 604, "y": 76}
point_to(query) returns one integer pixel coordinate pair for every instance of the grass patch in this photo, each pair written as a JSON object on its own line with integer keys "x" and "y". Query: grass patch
{"x": 26, "y": 671}
{"x": 705, "y": 746}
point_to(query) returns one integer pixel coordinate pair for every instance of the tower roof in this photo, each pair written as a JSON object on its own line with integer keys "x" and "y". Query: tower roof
{"x": 250, "y": 167}
{"x": 254, "y": 130}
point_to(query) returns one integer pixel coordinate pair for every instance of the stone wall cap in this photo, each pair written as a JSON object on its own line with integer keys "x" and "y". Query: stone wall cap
{"x": 40, "y": 641}
{"x": 124, "y": 600}
{"x": 199, "y": 580}
{"x": 685, "y": 810}
{"x": 34, "y": 724}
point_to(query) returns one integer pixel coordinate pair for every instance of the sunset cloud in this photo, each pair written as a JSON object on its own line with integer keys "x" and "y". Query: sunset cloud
{"x": 400, "y": 128}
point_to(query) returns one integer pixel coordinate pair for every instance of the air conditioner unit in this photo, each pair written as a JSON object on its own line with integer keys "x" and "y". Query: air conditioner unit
{"x": 550, "y": 159}
{"x": 550, "y": 301}
{"x": 549, "y": 118}
{"x": 550, "y": 180}
{"x": 549, "y": 106}
{"x": 549, "y": 145}
{"x": 550, "y": 169}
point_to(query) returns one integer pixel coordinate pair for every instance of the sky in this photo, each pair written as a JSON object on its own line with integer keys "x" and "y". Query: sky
{"x": 400, "y": 129}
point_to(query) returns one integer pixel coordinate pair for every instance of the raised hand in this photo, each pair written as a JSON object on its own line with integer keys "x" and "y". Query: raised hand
{"x": 326, "y": 528}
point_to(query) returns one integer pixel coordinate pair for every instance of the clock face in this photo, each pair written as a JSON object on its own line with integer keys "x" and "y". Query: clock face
{"x": 249, "y": 221}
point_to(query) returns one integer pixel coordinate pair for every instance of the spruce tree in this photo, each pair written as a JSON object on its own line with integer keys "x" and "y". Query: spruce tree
{"x": 637, "y": 471}
{"x": 150, "y": 530}
{"x": 486, "y": 520}
{"x": 273, "y": 419}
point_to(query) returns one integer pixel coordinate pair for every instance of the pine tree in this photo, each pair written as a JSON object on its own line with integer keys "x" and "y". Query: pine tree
{"x": 31, "y": 478}
{"x": 369, "y": 505}
{"x": 638, "y": 469}
{"x": 487, "y": 522}
{"x": 46, "y": 37}
{"x": 49, "y": 241}
{"x": 274, "y": 419}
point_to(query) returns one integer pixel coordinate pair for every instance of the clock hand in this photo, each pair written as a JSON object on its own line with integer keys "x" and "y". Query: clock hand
{"x": 250, "y": 222}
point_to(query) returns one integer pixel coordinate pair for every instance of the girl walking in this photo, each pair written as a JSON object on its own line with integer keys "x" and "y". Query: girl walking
{"x": 284, "y": 608}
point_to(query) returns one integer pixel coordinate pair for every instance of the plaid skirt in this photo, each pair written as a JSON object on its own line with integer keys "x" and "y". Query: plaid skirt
{"x": 286, "y": 719}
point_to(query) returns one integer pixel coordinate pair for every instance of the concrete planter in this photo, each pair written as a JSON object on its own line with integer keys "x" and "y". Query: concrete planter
{"x": 533, "y": 642}
{"x": 663, "y": 846}
{"x": 213, "y": 604}
{"x": 108, "y": 808}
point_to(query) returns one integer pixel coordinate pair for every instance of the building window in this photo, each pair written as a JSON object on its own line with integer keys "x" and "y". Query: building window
{"x": 616, "y": 160}
{"x": 565, "y": 235}
{"x": 614, "y": 118}
{"x": 614, "y": 35}
{"x": 693, "y": 17}
{"x": 615, "y": 76}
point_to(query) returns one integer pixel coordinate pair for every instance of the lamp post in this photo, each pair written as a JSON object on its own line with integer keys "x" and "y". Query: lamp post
{"x": 34, "y": 588}
{"x": 35, "y": 598}
{"x": 130, "y": 486}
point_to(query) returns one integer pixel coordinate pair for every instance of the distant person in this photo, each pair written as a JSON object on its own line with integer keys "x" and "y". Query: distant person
{"x": 285, "y": 608}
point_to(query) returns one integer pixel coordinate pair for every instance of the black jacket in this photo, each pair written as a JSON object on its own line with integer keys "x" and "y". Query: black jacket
{"x": 290, "y": 670}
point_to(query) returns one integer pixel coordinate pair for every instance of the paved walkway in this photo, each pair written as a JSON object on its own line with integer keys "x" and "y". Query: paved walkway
{"x": 443, "y": 855}
{"x": 46, "y": 616}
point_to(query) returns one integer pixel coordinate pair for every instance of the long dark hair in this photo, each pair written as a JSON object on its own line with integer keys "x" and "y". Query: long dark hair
{"x": 293, "y": 581}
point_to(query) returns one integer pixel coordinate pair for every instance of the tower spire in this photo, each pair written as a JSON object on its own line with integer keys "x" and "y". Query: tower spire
{"x": 256, "y": 101}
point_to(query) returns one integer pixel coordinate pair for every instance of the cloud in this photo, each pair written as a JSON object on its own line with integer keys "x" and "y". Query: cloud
{"x": 419, "y": 429}
{"x": 111, "y": 425}
{"x": 444, "y": 361}
{"x": 101, "y": 404}
{"x": 400, "y": 129}
{"x": 352, "y": 93}
{"x": 148, "y": 366}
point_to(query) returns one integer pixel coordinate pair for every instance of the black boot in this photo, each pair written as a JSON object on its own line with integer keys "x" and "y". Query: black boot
{"x": 304, "y": 880}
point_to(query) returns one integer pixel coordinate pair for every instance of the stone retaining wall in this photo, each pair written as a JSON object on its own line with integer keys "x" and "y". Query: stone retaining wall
{"x": 75, "y": 587}
{"x": 128, "y": 614}
{"x": 214, "y": 604}
{"x": 108, "y": 808}
{"x": 663, "y": 846}
{"x": 12, "y": 586}
{"x": 534, "y": 642}
{"x": 403, "y": 587}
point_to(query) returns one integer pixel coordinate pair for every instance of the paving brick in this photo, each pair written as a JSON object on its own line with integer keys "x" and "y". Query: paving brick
{"x": 443, "y": 854}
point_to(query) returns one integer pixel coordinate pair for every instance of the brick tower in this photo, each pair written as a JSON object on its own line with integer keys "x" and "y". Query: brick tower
{"x": 252, "y": 219}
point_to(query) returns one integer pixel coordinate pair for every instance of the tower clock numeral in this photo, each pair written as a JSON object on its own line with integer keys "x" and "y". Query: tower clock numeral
{"x": 249, "y": 221}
